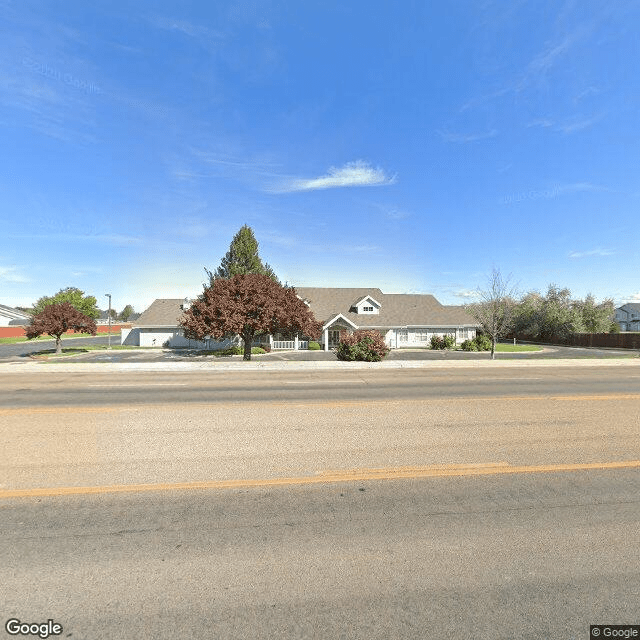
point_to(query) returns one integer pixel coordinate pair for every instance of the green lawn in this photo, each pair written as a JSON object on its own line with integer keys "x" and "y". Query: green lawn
{"x": 502, "y": 347}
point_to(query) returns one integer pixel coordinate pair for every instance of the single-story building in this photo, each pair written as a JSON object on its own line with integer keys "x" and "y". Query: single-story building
{"x": 405, "y": 320}
{"x": 159, "y": 326}
{"x": 10, "y": 316}
{"x": 628, "y": 316}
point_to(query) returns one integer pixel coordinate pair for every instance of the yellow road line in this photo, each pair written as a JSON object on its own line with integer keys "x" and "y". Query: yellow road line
{"x": 316, "y": 403}
{"x": 327, "y": 477}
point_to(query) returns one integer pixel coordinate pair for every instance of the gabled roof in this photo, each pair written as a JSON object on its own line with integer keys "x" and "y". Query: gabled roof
{"x": 631, "y": 306}
{"x": 357, "y": 302}
{"x": 15, "y": 315}
{"x": 163, "y": 312}
{"x": 396, "y": 309}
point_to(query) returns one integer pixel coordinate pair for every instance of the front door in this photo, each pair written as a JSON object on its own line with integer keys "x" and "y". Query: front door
{"x": 334, "y": 338}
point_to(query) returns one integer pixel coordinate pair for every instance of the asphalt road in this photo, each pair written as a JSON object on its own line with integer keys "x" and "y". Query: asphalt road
{"x": 536, "y": 556}
{"x": 122, "y": 388}
{"x": 35, "y": 347}
{"x": 419, "y": 503}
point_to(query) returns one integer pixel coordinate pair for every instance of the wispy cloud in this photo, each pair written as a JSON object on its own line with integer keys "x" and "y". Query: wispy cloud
{"x": 187, "y": 28}
{"x": 576, "y": 124}
{"x": 552, "y": 192}
{"x": 575, "y": 187}
{"x": 591, "y": 253}
{"x": 547, "y": 58}
{"x": 352, "y": 174}
{"x": 390, "y": 211}
{"x": 568, "y": 126}
{"x": 465, "y": 294}
{"x": 117, "y": 239}
{"x": 11, "y": 274}
{"x": 634, "y": 297}
{"x": 464, "y": 138}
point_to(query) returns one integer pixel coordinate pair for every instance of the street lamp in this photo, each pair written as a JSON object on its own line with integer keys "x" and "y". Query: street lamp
{"x": 108, "y": 295}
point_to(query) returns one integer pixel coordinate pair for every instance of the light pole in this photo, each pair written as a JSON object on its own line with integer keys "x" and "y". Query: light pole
{"x": 108, "y": 295}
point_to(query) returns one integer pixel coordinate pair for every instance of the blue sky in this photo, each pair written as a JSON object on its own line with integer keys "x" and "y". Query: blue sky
{"x": 409, "y": 146}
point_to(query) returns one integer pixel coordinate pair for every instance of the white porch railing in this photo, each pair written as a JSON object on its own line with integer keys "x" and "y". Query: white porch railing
{"x": 290, "y": 344}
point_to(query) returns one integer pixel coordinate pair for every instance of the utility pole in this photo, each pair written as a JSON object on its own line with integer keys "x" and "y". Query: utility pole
{"x": 108, "y": 295}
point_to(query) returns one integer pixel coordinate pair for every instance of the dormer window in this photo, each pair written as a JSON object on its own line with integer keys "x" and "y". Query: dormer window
{"x": 366, "y": 305}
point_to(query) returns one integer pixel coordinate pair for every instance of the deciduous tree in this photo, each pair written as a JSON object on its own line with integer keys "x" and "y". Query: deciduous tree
{"x": 125, "y": 314}
{"x": 494, "y": 311}
{"x": 56, "y": 319}
{"x": 74, "y": 296}
{"x": 247, "y": 305}
{"x": 556, "y": 315}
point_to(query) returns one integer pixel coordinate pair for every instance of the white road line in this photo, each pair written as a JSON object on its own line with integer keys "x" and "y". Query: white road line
{"x": 323, "y": 382}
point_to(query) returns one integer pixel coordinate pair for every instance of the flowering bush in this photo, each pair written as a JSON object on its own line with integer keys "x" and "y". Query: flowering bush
{"x": 363, "y": 344}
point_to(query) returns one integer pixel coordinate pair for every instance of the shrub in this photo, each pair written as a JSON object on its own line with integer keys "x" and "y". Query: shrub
{"x": 443, "y": 342}
{"x": 230, "y": 351}
{"x": 266, "y": 346}
{"x": 365, "y": 345}
{"x": 256, "y": 351}
{"x": 469, "y": 345}
{"x": 314, "y": 346}
{"x": 483, "y": 342}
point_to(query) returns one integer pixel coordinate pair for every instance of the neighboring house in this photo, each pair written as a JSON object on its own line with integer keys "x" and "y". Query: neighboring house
{"x": 11, "y": 316}
{"x": 628, "y": 316}
{"x": 405, "y": 320}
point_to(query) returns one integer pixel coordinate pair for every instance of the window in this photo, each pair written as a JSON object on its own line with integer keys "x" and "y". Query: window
{"x": 367, "y": 309}
{"x": 402, "y": 335}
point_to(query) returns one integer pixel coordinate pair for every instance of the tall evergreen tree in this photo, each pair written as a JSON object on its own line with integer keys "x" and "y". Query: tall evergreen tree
{"x": 242, "y": 259}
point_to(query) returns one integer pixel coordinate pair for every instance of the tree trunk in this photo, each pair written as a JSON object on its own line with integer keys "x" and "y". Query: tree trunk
{"x": 58, "y": 344}
{"x": 493, "y": 348}
{"x": 247, "y": 338}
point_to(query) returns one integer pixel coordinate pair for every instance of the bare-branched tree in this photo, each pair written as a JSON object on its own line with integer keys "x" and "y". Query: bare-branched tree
{"x": 495, "y": 309}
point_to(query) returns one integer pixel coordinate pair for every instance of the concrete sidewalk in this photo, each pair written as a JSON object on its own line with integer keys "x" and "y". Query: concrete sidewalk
{"x": 60, "y": 366}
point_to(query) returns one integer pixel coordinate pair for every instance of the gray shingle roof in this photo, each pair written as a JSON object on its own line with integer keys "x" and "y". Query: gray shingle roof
{"x": 163, "y": 312}
{"x": 397, "y": 309}
{"x": 15, "y": 315}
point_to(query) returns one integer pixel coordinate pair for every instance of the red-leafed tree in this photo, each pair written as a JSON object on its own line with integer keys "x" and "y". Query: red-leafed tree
{"x": 247, "y": 305}
{"x": 57, "y": 319}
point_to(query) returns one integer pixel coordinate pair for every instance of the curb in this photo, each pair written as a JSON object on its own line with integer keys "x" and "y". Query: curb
{"x": 255, "y": 366}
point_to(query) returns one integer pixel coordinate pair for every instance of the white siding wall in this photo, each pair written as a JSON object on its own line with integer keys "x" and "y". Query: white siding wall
{"x": 150, "y": 337}
{"x": 421, "y": 336}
